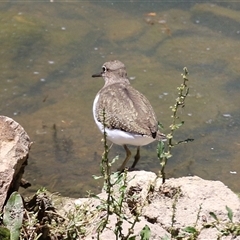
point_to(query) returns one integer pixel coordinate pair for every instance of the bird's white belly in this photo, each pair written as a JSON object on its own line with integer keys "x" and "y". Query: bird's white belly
{"x": 120, "y": 137}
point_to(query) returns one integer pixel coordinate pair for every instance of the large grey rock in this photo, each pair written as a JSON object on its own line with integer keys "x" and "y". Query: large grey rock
{"x": 14, "y": 149}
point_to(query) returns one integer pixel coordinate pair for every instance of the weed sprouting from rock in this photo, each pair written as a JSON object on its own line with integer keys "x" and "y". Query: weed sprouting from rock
{"x": 164, "y": 151}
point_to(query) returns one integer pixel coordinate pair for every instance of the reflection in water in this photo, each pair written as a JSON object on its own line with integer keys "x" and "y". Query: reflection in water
{"x": 63, "y": 147}
{"x": 49, "y": 52}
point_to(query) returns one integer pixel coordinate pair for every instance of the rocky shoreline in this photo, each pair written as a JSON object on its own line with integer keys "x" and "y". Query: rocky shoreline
{"x": 194, "y": 200}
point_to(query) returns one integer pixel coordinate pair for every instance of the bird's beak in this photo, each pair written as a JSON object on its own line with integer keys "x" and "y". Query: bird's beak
{"x": 97, "y": 75}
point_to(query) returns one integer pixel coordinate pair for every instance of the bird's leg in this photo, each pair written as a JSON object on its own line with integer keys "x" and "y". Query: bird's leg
{"x": 128, "y": 155}
{"x": 136, "y": 158}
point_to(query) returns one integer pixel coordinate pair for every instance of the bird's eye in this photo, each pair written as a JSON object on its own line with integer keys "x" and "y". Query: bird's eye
{"x": 104, "y": 69}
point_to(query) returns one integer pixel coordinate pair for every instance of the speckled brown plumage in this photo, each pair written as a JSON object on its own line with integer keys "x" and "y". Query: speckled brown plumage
{"x": 126, "y": 109}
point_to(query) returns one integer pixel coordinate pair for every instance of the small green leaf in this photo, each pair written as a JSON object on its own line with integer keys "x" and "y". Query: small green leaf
{"x": 178, "y": 125}
{"x": 114, "y": 159}
{"x": 230, "y": 213}
{"x": 119, "y": 178}
{"x": 168, "y": 155}
{"x": 41, "y": 190}
{"x": 95, "y": 196}
{"x": 160, "y": 149}
{"x": 4, "y": 233}
{"x": 122, "y": 189}
{"x": 117, "y": 175}
{"x": 160, "y": 126}
{"x": 13, "y": 215}
{"x": 145, "y": 233}
{"x": 208, "y": 225}
{"x": 212, "y": 214}
{"x": 132, "y": 238}
{"x": 190, "y": 229}
{"x": 97, "y": 177}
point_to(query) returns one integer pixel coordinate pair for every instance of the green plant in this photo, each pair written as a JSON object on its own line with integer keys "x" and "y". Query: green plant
{"x": 229, "y": 228}
{"x": 78, "y": 220}
{"x": 13, "y": 215}
{"x": 174, "y": 208}
{"x": 187, "y": 233}
{"x": 145, "y": 233}
{"x": 164, "y": 153}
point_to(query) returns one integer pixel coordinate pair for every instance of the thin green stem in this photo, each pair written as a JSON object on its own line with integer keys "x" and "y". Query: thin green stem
{"x": 106, "y": 173}
{"x": 163, "y": 155}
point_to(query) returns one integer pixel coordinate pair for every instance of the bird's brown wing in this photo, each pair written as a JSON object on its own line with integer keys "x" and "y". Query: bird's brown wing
{"x": 126, "y": 109}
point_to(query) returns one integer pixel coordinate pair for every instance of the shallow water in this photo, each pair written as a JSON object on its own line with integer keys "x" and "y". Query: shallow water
{"x": 50, "y": 50}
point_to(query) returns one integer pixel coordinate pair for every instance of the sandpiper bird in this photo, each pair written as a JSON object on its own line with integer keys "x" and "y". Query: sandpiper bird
{"x": 128, "y": 115}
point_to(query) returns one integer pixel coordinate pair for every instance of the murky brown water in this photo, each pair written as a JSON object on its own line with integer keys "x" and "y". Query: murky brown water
{"x": 49, "y": 51}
